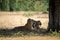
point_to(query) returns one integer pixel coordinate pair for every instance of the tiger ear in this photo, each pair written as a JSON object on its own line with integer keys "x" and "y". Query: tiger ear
{"x": 28, "y": 20}
{"x": 39, "y": 22}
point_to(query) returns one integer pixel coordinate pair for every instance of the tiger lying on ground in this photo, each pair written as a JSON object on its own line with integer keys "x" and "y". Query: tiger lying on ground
{"x": 30, "y": 25}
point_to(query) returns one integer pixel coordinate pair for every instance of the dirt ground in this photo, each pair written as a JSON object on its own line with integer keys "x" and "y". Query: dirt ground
{"x": 30, "y": 38}
{"x": 11, "y": 20}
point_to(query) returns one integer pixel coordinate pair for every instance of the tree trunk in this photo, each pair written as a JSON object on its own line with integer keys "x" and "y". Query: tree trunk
{"x": 54, "y": 14}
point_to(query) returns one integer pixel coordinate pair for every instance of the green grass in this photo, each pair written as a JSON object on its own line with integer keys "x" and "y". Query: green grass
{"x": 27, "y": 33}
{"x": 55, "y": 34}
{"x": 17, "y": 33}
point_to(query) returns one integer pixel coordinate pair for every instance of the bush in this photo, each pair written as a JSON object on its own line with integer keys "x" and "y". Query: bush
{"x": 24, "y": 5}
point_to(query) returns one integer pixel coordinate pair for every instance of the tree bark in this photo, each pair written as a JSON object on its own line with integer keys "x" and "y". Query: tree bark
{"x": 54, "y": 14}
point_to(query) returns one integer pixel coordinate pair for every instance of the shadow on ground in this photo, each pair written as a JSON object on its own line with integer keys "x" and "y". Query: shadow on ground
{"x": 19, "y": 31}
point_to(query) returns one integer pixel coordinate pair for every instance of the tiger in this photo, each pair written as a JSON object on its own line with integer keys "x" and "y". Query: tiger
{"x": 31, "y": 25}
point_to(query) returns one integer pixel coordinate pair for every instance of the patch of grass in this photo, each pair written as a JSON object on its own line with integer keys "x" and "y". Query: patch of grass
{"x": 16, "y": 33}
{"x": 55, "y": 34}
{"x": 10, "y": 33}
{"x": 27, "y": 14}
